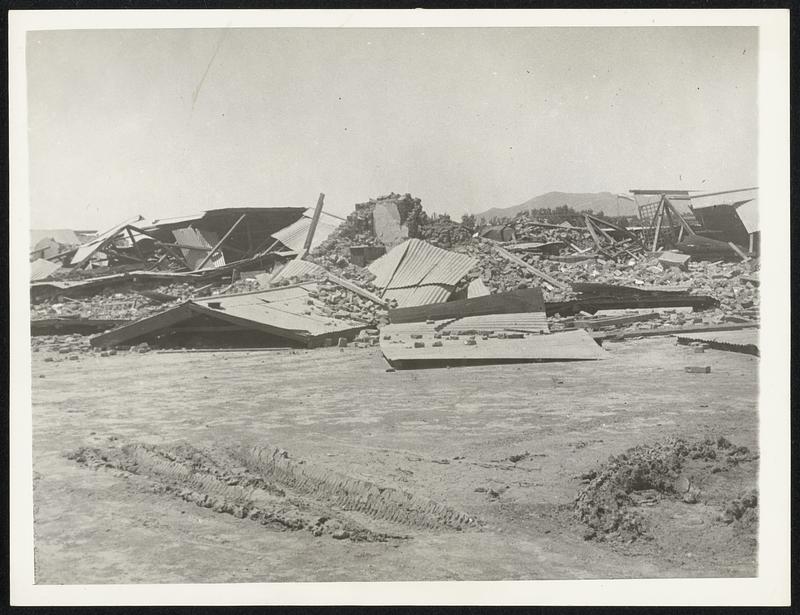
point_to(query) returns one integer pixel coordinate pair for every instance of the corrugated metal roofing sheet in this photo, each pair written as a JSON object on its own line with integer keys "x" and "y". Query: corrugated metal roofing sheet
{"x": 298, "y": 269}
{"x": 748, "y": 214}
{"x": 294, "y": 235}
{"x": 41, "y": 269}
{"x": 416, "y": 263}
{"x": 419, "y": 295}
{"x": 477, "y": 288}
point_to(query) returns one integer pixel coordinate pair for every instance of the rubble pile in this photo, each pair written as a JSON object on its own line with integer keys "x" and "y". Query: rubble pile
{"x": 358, "y": 230}
{"x": 643, "y": 475}
{"x": 527, "y": 229}
{"x": 342, "y": 303}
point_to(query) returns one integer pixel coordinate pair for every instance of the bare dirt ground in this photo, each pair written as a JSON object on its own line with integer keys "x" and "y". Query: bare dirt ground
{"x": 322, "y": 466}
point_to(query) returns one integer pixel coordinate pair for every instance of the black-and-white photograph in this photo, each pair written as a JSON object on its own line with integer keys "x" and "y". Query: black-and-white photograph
{"x": 346, "y": 304}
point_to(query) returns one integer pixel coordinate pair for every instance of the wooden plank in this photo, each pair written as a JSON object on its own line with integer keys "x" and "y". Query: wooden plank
{"x": 593, "y": 233}
{"x": 135, "y": 245}
{"x": 356, "y": 289}
{"x": 221, "y": 241}
{"x": 738, "y": 251}
{"x": 515, "y": 259}
{"x": 659, "y": 215}
{"x": 514, "y": 302}
{"x": 313, "y": 226}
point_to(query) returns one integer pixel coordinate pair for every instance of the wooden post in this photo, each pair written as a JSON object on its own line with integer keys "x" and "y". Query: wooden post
{"x": 659, "y": 215}
{"x": 738, "y": 251}
{"x": 313, "y": 227}
{"x": 592, "y": 232}
{"x": 221, "y": 241}
{"x": 752, "y": 239}
{"x": 135, "y": 245}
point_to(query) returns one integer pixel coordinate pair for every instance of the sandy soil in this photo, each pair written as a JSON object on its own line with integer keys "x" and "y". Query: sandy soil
{"x": 444, "y": 435}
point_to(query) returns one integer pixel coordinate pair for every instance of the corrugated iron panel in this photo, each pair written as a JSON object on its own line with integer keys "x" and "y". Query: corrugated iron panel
{"x": 418, "y": 273}
{"x": 748, "y": 214}
{"x": 191, "y": 236}
{"x": 41, "y": 269}
{"x": 565, "y": 346}
{"x": 384, "y": 267}
{"x": 424, "y": 263}
{"x": 298, "y": 269}
{"x": 534, "y": 322}
{"x": 294, "y": 235}
{"x": 477, "y": 288}
{"x": 419, "y": 295}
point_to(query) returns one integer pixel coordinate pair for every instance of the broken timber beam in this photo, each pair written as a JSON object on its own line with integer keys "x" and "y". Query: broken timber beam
{"x": 313, "y": 226}
{"x": 515, "y": 259}
{"x": 221, "y": 241}
{"x": 356, "y": 289}
{"x": 738, "y": 251}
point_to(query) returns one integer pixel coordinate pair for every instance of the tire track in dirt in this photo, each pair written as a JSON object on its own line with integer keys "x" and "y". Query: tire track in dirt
{"x": 265, "y": 484}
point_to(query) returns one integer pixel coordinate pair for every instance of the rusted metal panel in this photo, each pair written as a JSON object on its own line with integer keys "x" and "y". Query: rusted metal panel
{"x": 401, "y": 350}
{"x": 41, "y": 269}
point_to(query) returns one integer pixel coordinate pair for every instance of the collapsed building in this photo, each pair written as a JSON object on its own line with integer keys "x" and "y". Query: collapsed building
{"x": 390, "y": 275}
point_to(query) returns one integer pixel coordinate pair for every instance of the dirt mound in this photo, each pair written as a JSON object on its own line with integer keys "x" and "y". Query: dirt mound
{"x": 643, "y": 475}
{"x": 266, "y": 485}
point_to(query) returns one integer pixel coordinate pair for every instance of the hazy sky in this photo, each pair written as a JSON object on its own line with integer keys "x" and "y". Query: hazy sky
{"x": 165, "y": 122}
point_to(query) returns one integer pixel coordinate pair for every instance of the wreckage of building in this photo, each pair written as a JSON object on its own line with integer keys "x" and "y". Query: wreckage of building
{"x": 523, "y": 291}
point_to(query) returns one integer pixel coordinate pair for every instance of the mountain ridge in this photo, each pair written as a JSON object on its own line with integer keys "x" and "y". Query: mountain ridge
{"x": 607, "y": 202}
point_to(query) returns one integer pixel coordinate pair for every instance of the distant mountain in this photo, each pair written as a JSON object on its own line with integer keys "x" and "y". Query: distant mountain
{"x": 606, "y": 202}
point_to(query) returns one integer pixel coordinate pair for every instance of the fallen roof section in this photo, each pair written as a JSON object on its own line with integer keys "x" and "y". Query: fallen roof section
{"x": 86, "y": 250}
{"x": 404, "y": 352}
{"x": 285, "y": 313}
{"x": 744, "y": 341}
{"x": 514, "y": 302}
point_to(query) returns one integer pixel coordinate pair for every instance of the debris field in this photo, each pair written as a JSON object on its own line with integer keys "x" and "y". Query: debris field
{"x": 243, "y": 395}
